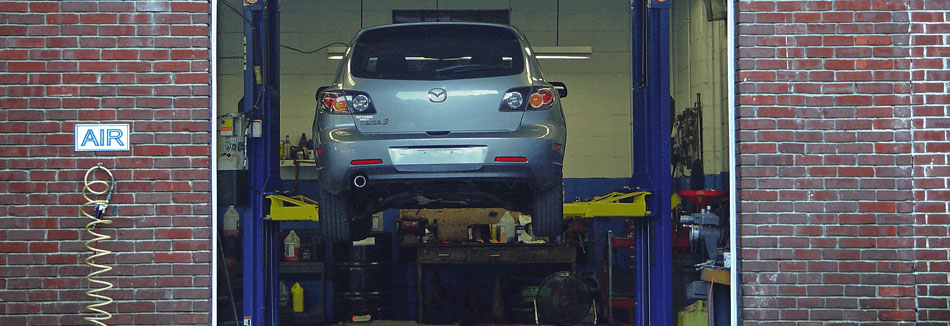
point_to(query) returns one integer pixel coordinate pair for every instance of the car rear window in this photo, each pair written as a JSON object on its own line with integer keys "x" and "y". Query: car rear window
{"x": 436, "y": 52}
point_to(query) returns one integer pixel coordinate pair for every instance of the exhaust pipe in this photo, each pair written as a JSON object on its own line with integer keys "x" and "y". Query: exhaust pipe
{"x": 359, "y": 181}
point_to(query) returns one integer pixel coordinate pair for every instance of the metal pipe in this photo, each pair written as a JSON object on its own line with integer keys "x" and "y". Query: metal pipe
{"x": 359, "y": 181}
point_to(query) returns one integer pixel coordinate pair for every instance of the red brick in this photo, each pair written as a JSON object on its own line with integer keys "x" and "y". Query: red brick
{"x": 117, "y": 30}
{"x": 99, "y": 18}
{"x": 116, "y": 7}
{"x": 172, "y": 42}
{"x": 44, "y": 7}
{"x": 171, "y": 66}
{"x": 192, "y": 30}
{"x": 191, "y": 78}
{"x": 133, "y": 66}
{"x": 873, "y": 40}
{"x": 134, "y": 42}
{"x": 120, "y": 54}
{"x": 154, "y": 79}
{"x": 97, "y": 66}
{"x": 197, "y": 7}
{"x": 146, "y": 7}
{"x": 26, "y": 66}
{"x": 161, "y": 257}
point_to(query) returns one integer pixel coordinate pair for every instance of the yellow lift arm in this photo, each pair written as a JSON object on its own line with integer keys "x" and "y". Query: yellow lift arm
{"x": 296, "y": 208}
{"x": 300, "y": 208}
{"x": 609, "y": 205}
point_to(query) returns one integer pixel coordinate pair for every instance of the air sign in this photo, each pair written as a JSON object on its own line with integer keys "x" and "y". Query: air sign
{"x": 94, "y": 138}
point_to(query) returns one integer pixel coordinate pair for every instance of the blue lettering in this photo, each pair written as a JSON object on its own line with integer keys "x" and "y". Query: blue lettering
{"x": 114, "y": 134}
{"x": 90, "y": 136}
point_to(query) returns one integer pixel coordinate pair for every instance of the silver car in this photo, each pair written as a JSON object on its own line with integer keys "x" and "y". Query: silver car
{"x": 438, "y": 115}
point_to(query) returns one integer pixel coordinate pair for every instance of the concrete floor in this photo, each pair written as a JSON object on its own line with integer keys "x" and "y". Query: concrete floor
{"x": 391, "y": 323}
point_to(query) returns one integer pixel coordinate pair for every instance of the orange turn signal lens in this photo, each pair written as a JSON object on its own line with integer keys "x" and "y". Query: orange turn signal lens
{"x": 536, "y": 100}
{"x": 339, "y": 104}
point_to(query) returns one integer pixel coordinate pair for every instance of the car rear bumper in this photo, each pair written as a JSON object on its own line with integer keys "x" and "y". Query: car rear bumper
{"x": 536, "y": 143}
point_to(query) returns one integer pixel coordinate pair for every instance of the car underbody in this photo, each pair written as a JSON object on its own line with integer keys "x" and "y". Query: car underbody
{"x": 442, "y": 194}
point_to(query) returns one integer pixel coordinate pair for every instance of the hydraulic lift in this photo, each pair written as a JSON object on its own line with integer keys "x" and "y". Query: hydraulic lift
{"x": 651, "y": 161}
{"x": 261, "y": 106}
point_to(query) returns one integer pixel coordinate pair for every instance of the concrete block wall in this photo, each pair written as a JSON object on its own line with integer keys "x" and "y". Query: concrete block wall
{"x": 598, "y": 108}
{"x": 698, "y": 65}
{"x": 145, "y": 64}
{"x": 843, "y": 162}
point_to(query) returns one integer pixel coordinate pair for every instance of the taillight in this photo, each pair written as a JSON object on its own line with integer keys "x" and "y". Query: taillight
{"x": 329, "y": 100}
{"x": 513, "y": 100}
{"x": 541, "y": 99}
{"x": 366, "y": 162}
{"x": 346, "y": 102}
{"x": 360, "y": 103}
{"x": 511, "y": 159}
{"x": 538, "y": 98}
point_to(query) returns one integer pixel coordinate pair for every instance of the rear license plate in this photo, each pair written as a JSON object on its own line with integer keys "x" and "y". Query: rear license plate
{"x": 451, "y": 155}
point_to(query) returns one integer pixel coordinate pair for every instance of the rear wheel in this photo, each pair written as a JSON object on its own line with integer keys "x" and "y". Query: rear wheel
{"x": 547, "y": 209}
{"x": 334, "y": 214}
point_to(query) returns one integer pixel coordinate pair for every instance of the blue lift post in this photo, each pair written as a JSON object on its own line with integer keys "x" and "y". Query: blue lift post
{"x": 651, "y": 160}
{"x": 260, "y": 242}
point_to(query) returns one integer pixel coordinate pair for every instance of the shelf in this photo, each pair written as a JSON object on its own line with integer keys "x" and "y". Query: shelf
{"x": 302, "y": 267}
{"x": 623, "y": 242}
{"x": 721, "y": 277}
{"x": 624, "y": 303}
{"x": 290, "y": 163}
{"x": 495, "y": 254}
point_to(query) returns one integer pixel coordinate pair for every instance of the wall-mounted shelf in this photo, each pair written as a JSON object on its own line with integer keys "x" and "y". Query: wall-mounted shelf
{"x": 290, "y": 163}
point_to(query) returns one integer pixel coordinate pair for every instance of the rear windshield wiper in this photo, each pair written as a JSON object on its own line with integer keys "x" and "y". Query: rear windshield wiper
{"x": 470, "y": 67}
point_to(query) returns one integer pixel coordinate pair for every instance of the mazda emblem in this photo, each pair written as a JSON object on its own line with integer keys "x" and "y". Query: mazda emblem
{"x": 437, "y": 95}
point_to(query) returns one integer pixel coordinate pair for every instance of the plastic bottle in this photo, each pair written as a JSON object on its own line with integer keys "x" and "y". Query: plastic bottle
{"x": 292, "y": 247}
{"x": 287, "y": 153}
{"x": 508, "y": 224}
{"x": 296, "y": 292}
{"x": 231, "y": 218}
{"x": 434, "y": 228}
{"x": 302, "y": 144}
{"x": 284, "y": 294}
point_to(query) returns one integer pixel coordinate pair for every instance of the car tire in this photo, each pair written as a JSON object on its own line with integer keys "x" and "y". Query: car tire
{"x": 547, "y": 209}
{"x": 334, "y": 214}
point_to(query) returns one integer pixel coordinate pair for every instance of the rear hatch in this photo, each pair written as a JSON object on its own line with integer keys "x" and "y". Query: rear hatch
{"x": 437, "y": 107}
{"x": 437, "y": 78}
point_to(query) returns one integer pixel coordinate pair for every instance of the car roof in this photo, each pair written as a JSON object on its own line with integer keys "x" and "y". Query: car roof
{"x": 509, "y": 27}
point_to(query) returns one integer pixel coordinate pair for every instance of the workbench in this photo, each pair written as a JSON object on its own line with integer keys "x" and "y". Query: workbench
{"x": 489, "y": 254}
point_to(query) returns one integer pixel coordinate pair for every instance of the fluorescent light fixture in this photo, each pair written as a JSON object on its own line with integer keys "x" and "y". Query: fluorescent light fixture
{"x": 563, "y": 52}
{"x": 336, "y": 52}
{"x": 563, "y": 57}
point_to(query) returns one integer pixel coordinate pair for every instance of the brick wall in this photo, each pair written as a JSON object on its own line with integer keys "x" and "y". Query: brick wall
{"x": 930, "y": 107}
{"x": 141, "y": 63}
{"x": 843, "y": 149}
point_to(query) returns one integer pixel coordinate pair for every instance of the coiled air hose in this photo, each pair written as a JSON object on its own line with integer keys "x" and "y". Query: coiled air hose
{"x": 99, "y": 206}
